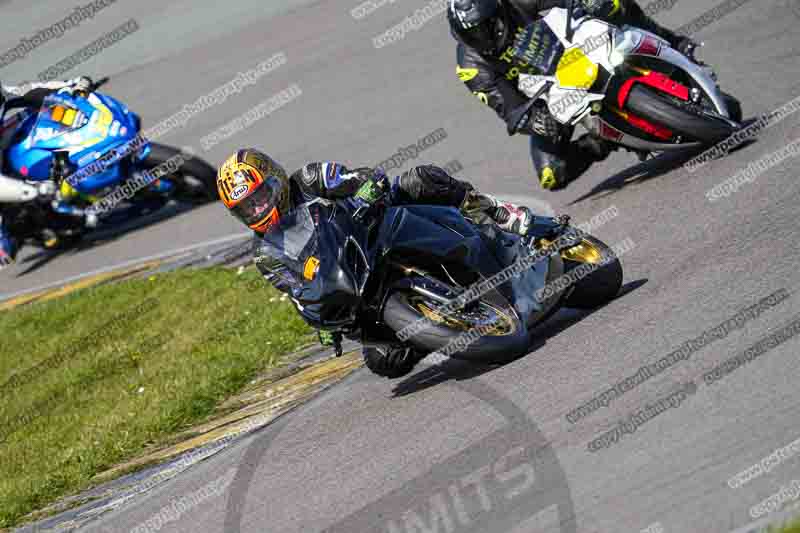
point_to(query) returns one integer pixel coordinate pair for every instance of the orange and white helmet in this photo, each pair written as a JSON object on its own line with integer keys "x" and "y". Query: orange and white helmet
{"x": 254, "y": 187}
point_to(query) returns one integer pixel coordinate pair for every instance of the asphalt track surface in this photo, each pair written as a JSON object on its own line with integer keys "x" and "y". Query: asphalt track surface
{"x": 457, "y": 447}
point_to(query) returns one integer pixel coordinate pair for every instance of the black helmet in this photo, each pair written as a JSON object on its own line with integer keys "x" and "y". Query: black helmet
{"x": 475, "y": 23}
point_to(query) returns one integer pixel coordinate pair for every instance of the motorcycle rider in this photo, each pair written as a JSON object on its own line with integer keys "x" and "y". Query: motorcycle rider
{"x": 257, "y": 191}
{"x": 494, "y": 39}
{"x": 13, "y": 191}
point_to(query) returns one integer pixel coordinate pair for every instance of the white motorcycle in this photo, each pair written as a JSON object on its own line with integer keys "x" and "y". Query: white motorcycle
{"x": 625, "y": 85}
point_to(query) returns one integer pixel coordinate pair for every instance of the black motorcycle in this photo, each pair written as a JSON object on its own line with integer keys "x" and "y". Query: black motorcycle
{"x": 427, "y": 278}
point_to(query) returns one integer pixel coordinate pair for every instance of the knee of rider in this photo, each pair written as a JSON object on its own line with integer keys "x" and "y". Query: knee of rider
{"x": 548, "y": 177}
{"x": 551, "y": 173}
{"x": 409, "y": 186}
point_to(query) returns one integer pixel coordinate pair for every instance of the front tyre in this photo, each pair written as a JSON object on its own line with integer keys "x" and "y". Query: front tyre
{"x": 734, "y": 107}
{"x": 679, "y": 118}
{"x": 598, "y": 272}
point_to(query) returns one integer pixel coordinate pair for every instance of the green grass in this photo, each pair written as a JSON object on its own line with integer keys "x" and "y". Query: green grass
{"x": 793, "y": 527}
{"x": 92, "y": 379}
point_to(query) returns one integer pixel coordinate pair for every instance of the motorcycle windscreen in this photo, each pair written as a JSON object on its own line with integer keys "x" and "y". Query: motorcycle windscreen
{"x": 544, "y": 48}
{"x": 294, "y": 242}
{"x": 55, "y": 121}
{"x": 309, "y": 242}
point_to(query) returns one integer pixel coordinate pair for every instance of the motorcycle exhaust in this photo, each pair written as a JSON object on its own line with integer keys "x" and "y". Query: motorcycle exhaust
{"x": 13, "y": 191}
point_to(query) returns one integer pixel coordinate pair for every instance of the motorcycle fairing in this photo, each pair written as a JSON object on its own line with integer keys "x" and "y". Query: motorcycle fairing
{"x": 609, "y": 47}
{"x": 431, "y": 235}
{"x": 86, "y": 128}
{"x": 316, "y": 240}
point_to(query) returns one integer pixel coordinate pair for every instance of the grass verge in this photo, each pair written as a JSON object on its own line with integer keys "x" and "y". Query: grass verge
{"x": 95, "y": 378}
{"x": 793, "y": 527}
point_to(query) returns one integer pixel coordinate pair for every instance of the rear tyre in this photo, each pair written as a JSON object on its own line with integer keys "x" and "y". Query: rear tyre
{"x": 649, "y": 104}
{"x": 602, "y": 284}
{"x": 196, "y": 179}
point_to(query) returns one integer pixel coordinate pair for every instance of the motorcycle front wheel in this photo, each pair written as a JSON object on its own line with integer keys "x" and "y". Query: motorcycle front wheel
{"x": 677, "y": 116}
{"x": 604, "y": 280}
{"x": 481, "y": 331}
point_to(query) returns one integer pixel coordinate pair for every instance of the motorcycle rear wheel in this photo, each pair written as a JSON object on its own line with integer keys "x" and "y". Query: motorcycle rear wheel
{"x": 196, "y": 179}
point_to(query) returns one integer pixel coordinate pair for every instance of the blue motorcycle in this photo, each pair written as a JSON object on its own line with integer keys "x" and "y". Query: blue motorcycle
{"x": 88, "y": 148}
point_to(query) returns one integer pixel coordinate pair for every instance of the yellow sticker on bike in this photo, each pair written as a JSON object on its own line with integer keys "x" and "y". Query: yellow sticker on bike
{"x": 576, "y": 70}
{"x": 310, "y": 268}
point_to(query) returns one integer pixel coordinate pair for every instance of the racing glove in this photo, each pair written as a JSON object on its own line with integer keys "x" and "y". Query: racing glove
{"x": 372, "y": 194}
{"x": 373, "y": 190}
{"x": 602, "y": 9}
{"x": 83, "y": 84}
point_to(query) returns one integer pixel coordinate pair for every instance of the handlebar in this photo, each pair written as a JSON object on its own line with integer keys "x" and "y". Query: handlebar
{"x": 99, "y": 83}
{"x": 570, "y": 11}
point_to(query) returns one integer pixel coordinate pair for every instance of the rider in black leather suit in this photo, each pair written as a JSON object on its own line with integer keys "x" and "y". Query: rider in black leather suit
{"x": 491, "y": 50}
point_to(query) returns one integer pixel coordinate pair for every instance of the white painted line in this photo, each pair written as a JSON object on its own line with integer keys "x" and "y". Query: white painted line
{"x": 126, "y": 264}
{"x": 539, "y": 207}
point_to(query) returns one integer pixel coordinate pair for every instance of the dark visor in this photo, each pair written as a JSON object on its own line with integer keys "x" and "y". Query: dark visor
{"x": 259, "y": 203}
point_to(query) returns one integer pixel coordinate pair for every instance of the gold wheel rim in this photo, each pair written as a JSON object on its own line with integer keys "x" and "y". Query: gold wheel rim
{"x": 502, "y": 325}
{"x": 584, "y": 252}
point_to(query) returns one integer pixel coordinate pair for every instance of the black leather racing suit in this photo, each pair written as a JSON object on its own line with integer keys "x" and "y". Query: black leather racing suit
{"x": 421, "y": 185}
{"x": 494, "y": 81}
